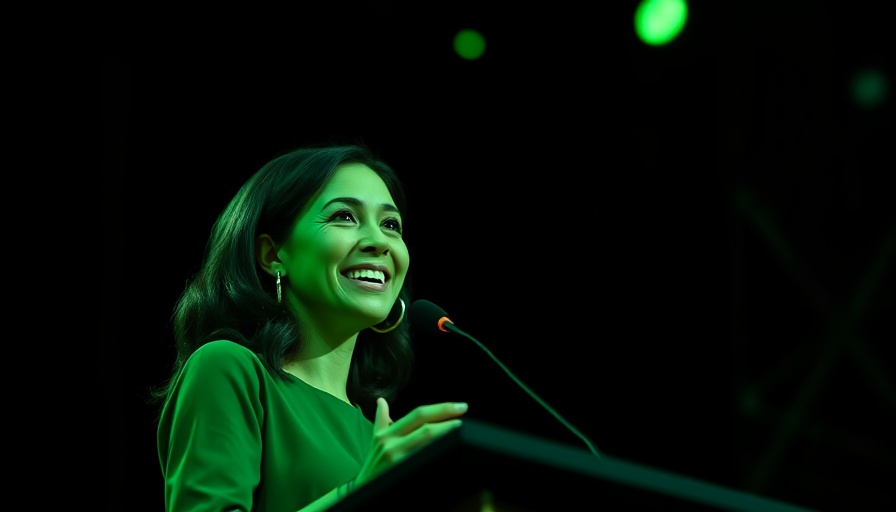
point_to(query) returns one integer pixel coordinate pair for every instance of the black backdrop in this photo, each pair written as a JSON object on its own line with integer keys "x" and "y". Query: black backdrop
{"x": 684, "y": 250}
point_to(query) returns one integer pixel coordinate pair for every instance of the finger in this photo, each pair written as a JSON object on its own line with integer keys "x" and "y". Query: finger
{"x": 425, "y": 435}
{"x": 432, "y": 413}
{"x": 382, "y": 419}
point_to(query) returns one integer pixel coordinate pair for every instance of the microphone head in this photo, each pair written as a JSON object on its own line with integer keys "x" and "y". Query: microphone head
{"x": 426, "y": 315}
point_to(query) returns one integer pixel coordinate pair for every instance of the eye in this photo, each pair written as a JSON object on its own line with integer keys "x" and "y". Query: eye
{"x": 344, "y": 214}
{"x": 393, "y": 224}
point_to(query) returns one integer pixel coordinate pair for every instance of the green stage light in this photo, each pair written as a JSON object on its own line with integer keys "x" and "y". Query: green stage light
{"x": 469, "y": 44}
{"x": 869, "y": 88}
{"x": 659, "y": 22}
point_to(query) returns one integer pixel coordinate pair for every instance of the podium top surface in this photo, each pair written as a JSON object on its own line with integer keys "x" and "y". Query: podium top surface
{"x": 527, "y": 473}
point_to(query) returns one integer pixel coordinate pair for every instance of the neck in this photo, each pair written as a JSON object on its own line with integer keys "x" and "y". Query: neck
{"x": 323, "y": 366}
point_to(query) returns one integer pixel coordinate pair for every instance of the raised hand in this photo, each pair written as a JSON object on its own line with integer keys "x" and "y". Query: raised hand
{"x": 395, "y": 440}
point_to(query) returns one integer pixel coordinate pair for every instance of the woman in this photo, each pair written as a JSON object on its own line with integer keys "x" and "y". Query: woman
{"x": 291, "y": 342}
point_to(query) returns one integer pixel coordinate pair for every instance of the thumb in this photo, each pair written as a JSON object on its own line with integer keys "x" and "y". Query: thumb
{"x": 382, "y": 419}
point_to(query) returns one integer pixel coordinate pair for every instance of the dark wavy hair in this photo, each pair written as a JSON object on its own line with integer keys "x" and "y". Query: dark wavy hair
{"x": 231, "y": 297}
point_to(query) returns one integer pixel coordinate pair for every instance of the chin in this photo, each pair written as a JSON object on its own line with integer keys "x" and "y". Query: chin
{"x": 377, "y": 312}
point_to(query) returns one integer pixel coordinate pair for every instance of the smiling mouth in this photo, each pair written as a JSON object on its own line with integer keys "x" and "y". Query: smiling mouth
{"x": 367, "y": 275}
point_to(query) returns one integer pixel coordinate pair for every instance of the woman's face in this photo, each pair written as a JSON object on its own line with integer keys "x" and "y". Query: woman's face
{"x": 345, "y": 259}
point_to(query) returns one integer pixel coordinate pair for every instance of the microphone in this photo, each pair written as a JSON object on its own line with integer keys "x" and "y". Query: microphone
{"x": 426, "y": 315}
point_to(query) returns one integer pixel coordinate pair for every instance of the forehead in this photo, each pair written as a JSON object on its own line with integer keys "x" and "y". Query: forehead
{"x": 358, "y": 181}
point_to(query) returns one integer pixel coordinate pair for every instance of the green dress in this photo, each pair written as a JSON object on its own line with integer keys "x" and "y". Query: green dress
{"x": 232, "y": 436}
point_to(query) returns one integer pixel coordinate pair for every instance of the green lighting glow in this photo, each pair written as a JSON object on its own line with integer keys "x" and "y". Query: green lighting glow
{"x": 658, "y": 22}
{"x": 869, "y": 88}
{"x": 749, "y": 402}
{"x": 469, "y": 44}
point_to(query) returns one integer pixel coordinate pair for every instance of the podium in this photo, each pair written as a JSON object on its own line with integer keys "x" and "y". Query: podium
{"x": 482, "y": 467}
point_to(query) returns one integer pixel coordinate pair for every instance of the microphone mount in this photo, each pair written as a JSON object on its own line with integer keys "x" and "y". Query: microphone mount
{"x": 424, "y": 313}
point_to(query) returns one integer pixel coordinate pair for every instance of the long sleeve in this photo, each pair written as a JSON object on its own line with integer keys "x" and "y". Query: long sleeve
{"x": 234, "y": 437}
{"x": 210, "y": 432}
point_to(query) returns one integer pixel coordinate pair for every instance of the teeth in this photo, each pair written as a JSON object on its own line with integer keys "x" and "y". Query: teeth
{"x": 367, "y": 274}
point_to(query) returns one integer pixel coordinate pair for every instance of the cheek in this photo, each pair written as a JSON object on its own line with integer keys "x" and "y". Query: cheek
{"x": 311, "y": 255}
{"x": 326, "y": 244}
{"x": 402, "y": 258}
{"x": 336, "y": 247}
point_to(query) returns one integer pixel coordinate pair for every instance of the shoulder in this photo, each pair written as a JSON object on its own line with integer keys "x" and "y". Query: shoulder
{"x": 224, "y": 349}
{"x": 224, "y": 356}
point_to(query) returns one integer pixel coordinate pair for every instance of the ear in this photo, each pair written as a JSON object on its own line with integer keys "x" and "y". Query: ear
{"x": 266, "y": 254}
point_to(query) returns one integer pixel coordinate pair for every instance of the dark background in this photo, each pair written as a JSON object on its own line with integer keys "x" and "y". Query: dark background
{"x": 686, "y": 251}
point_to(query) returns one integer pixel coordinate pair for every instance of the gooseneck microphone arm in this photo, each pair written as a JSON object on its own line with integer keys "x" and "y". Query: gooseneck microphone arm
{"x": 426, "y": 314}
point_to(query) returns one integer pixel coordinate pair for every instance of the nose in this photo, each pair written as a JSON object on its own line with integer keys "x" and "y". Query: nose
{"x": 378, "y": 249}
{"x": 374, "y": 242}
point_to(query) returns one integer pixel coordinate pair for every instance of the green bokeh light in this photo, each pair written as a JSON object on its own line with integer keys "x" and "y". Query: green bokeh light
{"x": 869, "y": 88}
{"x": 658, "y": 22}
{"x": 469, "y": 44}
{"x": 749, "y": 402}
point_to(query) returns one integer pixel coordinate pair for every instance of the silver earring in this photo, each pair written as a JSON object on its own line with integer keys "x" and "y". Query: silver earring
{"x": 390, "y": 323}
{"x": 279, "y": 289}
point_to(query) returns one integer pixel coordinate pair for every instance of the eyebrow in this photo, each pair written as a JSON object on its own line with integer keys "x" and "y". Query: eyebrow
{"x": 353, "y": 201}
